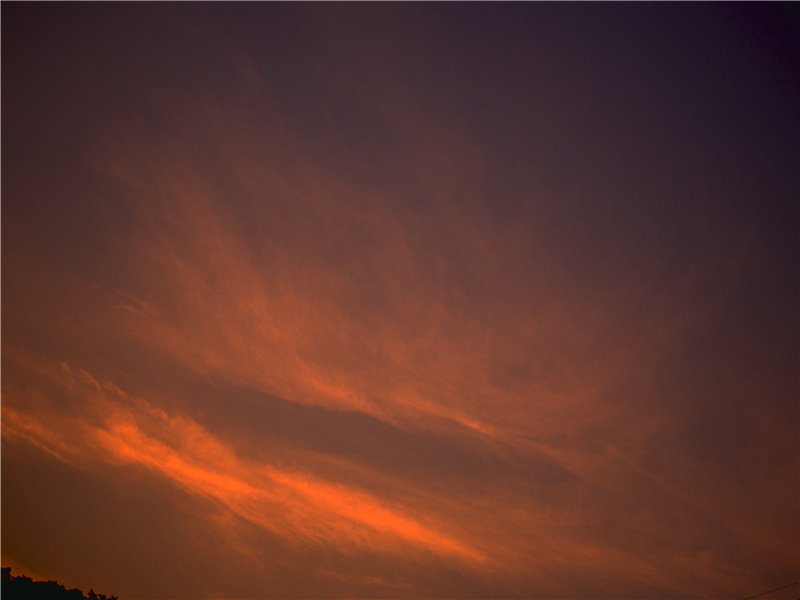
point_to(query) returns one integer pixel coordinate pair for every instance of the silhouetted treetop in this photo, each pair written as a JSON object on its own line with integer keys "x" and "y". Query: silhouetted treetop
{"x": 24, "y": 588}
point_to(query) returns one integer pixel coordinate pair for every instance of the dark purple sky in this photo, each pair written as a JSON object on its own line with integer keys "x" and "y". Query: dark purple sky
{"x": 429, "y": 300}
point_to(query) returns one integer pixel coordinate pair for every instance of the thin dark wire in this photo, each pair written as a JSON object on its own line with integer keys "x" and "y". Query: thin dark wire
{"x": 770, "y": 591}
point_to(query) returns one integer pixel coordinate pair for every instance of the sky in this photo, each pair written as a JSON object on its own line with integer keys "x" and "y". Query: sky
{"x": 395, "y": 300}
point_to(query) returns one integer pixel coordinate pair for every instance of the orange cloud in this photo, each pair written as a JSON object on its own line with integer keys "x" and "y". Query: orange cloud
{"x": 507, "y": 535}
{"x": 334, "y": 293}
{"x": 113, "y": 428}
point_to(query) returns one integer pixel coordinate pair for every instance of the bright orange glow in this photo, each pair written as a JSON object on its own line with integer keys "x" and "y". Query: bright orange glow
{"x": 186, "y": 454}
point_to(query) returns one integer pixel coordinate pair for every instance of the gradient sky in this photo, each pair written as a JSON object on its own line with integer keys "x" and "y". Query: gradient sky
{"x": 401, "y": 300}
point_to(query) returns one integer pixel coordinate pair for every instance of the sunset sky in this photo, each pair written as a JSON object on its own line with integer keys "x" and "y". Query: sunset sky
{"x": 400, "y": 301}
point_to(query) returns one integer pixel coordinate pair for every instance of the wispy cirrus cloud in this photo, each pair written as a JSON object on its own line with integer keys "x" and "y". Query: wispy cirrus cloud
{"x": 116, "y": 429}
{"x": 106, "y": 426}
{"x": 394, "y": 349}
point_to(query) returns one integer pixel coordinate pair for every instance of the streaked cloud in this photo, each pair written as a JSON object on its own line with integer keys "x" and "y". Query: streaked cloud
{"x": 115, "y": 429}
{"x": 354, "y": 336}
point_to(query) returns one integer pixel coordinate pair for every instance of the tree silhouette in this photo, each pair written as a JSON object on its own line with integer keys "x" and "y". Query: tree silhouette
{"x": 24, "y": 588}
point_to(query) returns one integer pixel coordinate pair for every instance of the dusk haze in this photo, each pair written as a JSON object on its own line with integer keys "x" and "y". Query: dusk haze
{"x": 402, "y": 300}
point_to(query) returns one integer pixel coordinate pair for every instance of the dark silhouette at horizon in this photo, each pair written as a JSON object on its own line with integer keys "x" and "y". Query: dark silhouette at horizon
{"x": 22, "y": 587}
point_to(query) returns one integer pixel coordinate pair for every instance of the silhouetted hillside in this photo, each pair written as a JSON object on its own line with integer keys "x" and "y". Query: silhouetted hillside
{"x": 24, "y": 588}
